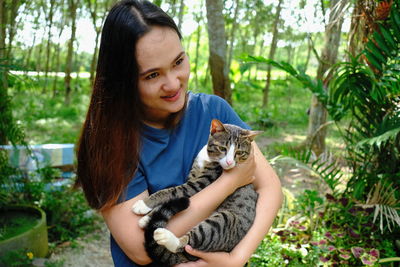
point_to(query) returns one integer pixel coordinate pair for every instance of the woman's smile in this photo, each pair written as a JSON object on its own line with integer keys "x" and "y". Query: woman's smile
{"x": 172, "y": 97}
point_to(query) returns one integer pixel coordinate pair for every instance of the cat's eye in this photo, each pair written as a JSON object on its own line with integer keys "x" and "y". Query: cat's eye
{"x": 240, "y": 153}
{"x": 222, "y": 149}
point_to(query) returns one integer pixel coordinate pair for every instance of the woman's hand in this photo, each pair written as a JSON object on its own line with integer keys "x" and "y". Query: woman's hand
{"x": 211, "y": 259}
{"x": 243, "y": 173}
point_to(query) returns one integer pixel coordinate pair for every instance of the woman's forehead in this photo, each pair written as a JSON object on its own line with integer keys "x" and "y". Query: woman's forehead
{"x": 158, "y": 45}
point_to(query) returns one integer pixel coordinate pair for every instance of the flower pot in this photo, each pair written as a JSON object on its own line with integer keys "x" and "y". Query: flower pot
{"x": 29, "y": 232}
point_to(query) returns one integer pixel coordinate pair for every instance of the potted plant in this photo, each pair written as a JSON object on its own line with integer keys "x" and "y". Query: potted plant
{"x": 23, "y": 228}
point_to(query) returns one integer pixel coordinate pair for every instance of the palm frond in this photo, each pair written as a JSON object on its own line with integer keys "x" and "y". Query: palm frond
{"x": 380, "y": 139}
{"x": 325, "y": 166}
{"x": 382, "y": 197}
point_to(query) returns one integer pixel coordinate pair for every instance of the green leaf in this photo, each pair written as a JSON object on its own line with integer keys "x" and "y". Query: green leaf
{"x": 396, "y": 26}
{"x": 371, "y": 58}
{"x": 375, "y": 50}
{"x": 396, "y": 17}
{"x": 388, "y": 37}
{"x": 380, "y": 42}
{"x": 378, "y": 140}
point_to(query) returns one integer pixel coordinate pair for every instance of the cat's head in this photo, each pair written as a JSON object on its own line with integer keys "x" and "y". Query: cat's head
{"x": 229, "y": 144}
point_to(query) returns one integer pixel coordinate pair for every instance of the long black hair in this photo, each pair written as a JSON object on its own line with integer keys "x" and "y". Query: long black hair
{"x": 108, "y": 148}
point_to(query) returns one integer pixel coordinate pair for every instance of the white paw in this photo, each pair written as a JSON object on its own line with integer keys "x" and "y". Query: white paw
{"x": 140, "y": 208}
{"x": 144, "y": 221}
{"x": 167, "y": 239}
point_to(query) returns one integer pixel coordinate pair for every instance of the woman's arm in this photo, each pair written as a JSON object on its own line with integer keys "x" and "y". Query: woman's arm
{"x": 268, "y": 186}
{"x": 123, "y": 223}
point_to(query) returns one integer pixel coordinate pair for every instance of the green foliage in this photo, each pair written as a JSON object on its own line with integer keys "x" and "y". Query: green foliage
{"x": 45, "y": 113}
{"x": 17, "y": 258}
{"x": 368, "y": 96}
{"x": 326, "y": 167}
{"x": 325, "y": 231}
{"x": 68, "y": 214}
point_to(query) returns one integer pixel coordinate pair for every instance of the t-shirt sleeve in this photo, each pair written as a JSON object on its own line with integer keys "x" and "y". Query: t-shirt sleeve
{"x": 136, "y": 186}
{"x": 225, "y": 113}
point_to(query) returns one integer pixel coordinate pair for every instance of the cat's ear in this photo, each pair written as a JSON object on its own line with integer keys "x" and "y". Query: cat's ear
{"x": 216, "y": 126}
{"x": 253, "y": 134}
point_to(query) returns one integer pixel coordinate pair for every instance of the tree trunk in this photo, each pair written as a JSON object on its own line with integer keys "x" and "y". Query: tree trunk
{"x": 309, "y": 48}
{"x": 56, "y": 63}
{"x": 196, "y": 60}
{"x": 172, "y": 9}
{"x": 318, "y": 114}
{"x": 271, "y": 55}
{"x": 233, "y": 32}
{"x": 217, "y": 48}
{"x": 68, "y": 66}
{"x": 48, "y": 46}
{"x": 8, "y": 14}
{"x": 3, "y": 73}
{"x": 93, "y": 63}
{"x": 180, "y": 15}
{"x": 362, "y": 25}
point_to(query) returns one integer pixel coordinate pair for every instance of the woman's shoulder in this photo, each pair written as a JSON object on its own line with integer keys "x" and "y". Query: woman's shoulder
{"x": 206, "y": 99}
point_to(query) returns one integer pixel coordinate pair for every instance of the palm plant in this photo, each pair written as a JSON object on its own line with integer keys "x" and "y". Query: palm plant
{"x": 367, "y": 95}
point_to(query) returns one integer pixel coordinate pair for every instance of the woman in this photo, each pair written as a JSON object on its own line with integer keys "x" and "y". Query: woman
{"x": 143, "y": 131}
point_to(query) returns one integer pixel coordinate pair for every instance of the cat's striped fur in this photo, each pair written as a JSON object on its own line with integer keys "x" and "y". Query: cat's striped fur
{"x": 227, "y": 146}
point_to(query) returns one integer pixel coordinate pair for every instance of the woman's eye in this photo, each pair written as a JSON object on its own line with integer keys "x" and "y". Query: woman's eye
{"x": 179, "y": 61}
{"x": 152, "y": 76}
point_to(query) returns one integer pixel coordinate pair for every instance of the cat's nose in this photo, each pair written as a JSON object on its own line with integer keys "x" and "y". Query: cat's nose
{"x": 229, "y": 162}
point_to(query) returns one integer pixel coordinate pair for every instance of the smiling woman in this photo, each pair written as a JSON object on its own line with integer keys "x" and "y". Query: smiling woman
{"x": 143, "y": 131}
{"x": 164, "y": 74}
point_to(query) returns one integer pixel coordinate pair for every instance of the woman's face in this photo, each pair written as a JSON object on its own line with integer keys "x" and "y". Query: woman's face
{"x": 163, "y": 74}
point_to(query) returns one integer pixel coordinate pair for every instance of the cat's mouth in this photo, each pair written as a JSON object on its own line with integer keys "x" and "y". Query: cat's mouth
{"x": 227, "y": 165}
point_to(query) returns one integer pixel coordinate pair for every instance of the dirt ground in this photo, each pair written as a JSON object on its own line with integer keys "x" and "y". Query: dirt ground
{"x": 91, "y": 251}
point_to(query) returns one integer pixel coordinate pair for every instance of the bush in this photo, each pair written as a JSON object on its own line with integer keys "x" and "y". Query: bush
{"x": 68, "y": 214}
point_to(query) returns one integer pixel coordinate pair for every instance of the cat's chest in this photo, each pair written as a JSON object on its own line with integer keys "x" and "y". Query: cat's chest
{"x": 202, "y": 158}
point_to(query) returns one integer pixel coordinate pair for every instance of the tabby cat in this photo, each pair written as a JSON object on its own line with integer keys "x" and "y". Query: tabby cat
{"x": 222, "y": 231}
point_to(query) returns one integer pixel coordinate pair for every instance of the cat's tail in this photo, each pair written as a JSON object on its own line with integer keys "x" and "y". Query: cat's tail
{"x": 161, "y": 216}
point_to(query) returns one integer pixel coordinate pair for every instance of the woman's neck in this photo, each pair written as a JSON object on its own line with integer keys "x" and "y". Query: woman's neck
{"x": 155, "y": 124}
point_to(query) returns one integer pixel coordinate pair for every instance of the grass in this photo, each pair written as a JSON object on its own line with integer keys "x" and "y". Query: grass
{"x": 13, "y": 223}
{"x": 47, "y": 119}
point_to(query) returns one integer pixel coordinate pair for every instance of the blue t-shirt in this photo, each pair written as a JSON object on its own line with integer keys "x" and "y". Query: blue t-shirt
{"x": 167, "y": 155}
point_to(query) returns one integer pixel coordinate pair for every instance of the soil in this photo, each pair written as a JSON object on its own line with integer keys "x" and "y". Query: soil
{"x": 93, "y": 249}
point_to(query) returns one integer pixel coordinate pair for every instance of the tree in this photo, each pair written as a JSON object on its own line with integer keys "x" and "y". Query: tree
{"x": 318, "y": 115}
{"x": 233, "y": 32}
{"x": 180, "y": 14}
{"x": 49, "y": 19}
{"x": 272, "y": 52}
{"x": 97, "y": 10}
{"x": 72, "y": 7}
{"x": 217, "y": 49}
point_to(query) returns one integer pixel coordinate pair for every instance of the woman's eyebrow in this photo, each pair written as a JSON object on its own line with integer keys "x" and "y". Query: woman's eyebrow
{"x": 154, "y": 69}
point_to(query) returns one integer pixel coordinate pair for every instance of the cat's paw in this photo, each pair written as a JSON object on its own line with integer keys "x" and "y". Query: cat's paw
{"x": 167, "y": 239}
{"x": 144, "y": 221}
{"x": 140, "y": 208}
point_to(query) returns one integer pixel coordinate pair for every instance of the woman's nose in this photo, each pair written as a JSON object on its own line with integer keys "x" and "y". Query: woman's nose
{"x": 171, "y": 82}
